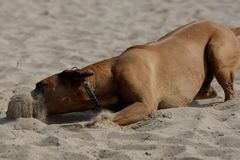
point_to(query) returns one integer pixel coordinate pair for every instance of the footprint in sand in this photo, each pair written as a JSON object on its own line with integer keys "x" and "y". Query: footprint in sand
{"x": 109, "y": 154}
{"x": 228, "y": 142}
{"x": 49, "y": 141}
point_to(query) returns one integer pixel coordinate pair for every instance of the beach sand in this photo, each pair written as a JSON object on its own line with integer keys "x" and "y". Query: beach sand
{"x": 41, "y": 38}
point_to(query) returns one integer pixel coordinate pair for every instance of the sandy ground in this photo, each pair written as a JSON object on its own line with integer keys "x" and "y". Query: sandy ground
{"x": 40, "y": 38}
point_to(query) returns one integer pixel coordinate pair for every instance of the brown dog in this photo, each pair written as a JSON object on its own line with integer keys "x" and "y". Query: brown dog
{"x": 167, "y": 73}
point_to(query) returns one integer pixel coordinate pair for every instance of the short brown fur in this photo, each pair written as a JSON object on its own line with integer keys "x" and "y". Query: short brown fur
{"x": 169, "y": 72}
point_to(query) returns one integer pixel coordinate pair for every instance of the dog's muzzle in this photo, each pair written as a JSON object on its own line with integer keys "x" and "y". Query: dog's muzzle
{"x": 37, "y": 91}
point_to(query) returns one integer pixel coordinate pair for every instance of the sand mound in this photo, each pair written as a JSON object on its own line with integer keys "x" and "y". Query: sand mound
{"x": 102, "y": 120}
{"x": 23, "y": 105}
{"x": 20, "y": 106}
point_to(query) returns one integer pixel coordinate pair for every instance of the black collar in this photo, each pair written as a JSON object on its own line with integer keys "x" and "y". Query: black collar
{"x": 91, "y": 95}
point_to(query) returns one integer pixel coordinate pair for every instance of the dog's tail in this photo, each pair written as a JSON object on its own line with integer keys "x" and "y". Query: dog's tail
{"x": 236, "y": 31}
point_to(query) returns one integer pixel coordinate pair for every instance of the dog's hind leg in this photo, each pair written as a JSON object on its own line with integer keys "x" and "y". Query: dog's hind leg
{"x": 206, "y": 90}
{"x": 225, "y": 78}
{"x": 223, "y": 58}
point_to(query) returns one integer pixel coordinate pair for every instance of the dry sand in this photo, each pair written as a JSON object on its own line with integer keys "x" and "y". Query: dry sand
{"x": 40, "y": 38}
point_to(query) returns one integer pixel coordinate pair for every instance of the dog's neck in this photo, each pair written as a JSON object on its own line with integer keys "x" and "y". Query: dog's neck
{"x": 102, "y": 82}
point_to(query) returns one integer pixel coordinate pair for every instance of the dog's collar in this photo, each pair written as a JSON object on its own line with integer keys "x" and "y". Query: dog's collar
{"x": 91, "y": 95}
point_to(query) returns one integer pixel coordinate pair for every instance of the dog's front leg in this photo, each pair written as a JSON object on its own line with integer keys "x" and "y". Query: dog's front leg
{"x": 133, "y": 113}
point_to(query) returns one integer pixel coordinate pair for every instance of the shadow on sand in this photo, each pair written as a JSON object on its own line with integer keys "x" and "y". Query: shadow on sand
{"x": 61, "y": 118}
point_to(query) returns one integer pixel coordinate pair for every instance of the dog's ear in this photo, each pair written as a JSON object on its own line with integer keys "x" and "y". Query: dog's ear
{"x": 74, "y": 75}
{"x": 86, "y": 72}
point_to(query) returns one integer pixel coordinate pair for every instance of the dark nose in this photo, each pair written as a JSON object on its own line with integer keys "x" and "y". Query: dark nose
{"x": 38, "y": 90}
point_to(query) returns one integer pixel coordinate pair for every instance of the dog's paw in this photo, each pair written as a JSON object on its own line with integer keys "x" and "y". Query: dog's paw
{"x": 204, "y": 94}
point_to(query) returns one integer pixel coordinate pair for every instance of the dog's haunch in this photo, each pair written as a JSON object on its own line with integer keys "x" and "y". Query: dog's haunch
{"x": 23, "y": 105}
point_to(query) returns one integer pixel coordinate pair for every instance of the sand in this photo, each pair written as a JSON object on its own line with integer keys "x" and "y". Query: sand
{"x": 40, "y": 38}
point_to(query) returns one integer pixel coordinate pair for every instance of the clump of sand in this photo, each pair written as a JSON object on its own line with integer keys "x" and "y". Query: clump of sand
{"x": 23, "y": 105}
{"x": 20, "y": 106}
{"x": 102, "y": 120}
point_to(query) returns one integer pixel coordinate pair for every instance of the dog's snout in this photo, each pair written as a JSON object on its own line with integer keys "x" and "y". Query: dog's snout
{"x": 38, "y": 90}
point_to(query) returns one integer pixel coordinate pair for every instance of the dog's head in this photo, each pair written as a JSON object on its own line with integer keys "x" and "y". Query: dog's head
{"x": 64, "y": 92}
